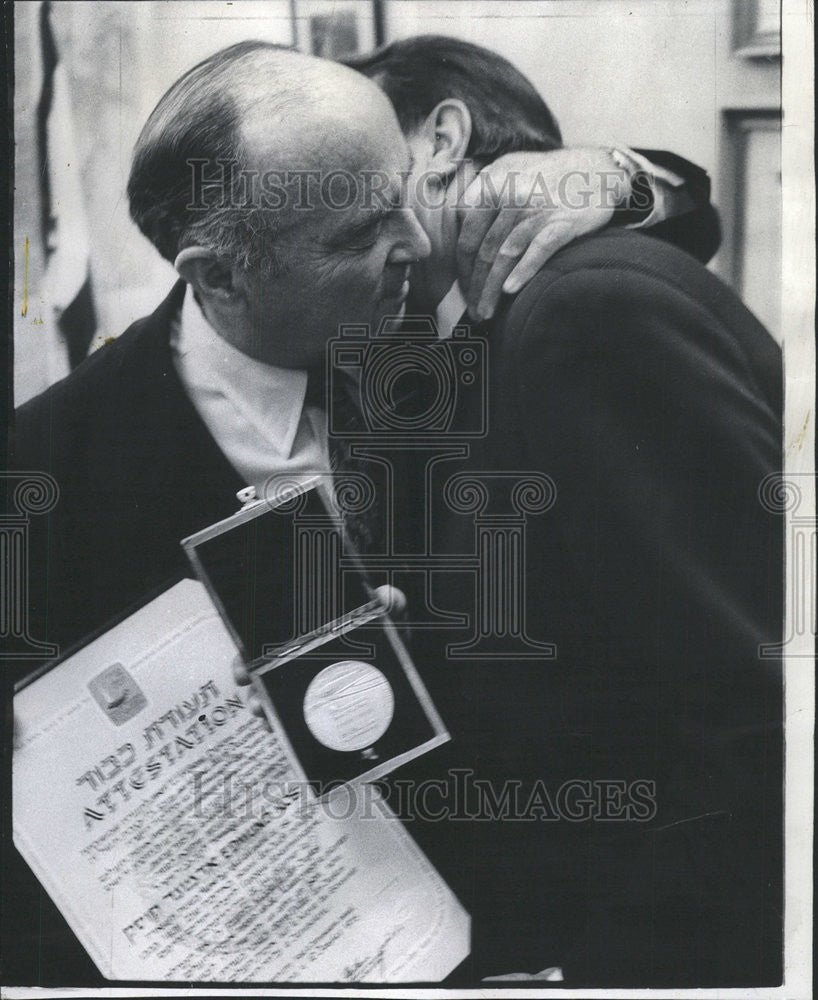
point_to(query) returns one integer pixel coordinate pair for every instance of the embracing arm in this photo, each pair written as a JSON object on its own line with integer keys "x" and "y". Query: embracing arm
{"x": 522, "y": 208}
{"x": 681, "y": 191}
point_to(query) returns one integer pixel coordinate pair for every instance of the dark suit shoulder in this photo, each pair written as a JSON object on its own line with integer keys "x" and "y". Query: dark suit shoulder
{"x": 600, "y": 260}
{"x": 626, "y": 294}
{"x": 50, "y": 426}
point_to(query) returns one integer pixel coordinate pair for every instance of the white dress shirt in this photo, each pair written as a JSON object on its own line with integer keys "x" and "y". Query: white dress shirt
{"x": 254, "y": 411}
{"x": 664, "y": 184}
{"x": 450, "y": 311}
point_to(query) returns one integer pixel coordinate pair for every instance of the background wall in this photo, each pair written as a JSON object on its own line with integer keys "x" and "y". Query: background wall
{"x": 672, "y": 74}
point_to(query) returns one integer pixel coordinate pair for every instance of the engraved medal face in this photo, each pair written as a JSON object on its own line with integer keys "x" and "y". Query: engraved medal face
{"x": 348, "y": 705}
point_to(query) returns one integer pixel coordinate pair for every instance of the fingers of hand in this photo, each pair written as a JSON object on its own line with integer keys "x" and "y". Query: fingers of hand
{"x": 561, "y": 228}
{"x": 474, "y": 227}
{"x": 553, "y": 974}
{"x": 495, "y": 238}
{"x": 255, "y": 706}
{"x": 508, "y": 254}
{"x": 241, "y": 676}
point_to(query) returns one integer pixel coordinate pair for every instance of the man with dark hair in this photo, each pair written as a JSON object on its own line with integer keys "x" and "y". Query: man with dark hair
{"x": 416, "y": 74}
{"x": 508, "y": 116}
{"x": 650, "y": 743}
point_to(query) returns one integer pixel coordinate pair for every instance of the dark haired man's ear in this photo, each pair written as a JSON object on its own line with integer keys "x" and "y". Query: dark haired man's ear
{"x": 448, "y": 129}
{"x": 210, "y": 277}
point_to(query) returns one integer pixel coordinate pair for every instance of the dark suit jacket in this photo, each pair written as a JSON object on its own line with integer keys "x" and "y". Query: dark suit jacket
{"x": 697, "y": 230}
{"x": 653, "y": 399}
{"x": 695, "y": 226}
{"x": 137, "y": 471}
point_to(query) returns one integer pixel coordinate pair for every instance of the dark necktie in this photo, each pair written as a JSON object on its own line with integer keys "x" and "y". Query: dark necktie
{"x": 355, "y": 490}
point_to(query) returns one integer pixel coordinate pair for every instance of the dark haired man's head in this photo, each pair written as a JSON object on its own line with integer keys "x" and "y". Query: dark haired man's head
{"x": 507, "y": 113}
{"x": 460, "y": 107}
{"x": 272, "y": 280}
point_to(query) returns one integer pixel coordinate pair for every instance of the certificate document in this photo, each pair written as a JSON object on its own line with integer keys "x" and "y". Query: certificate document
{"x": 170, "y": 828}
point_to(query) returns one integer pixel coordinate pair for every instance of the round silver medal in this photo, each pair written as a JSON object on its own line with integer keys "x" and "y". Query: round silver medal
{"x": 349, "y": 705}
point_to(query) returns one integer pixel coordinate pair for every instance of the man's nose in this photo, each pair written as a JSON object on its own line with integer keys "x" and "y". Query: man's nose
{"x": 413, "y": 243}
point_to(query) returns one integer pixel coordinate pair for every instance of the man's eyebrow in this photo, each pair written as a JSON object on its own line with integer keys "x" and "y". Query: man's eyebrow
{"x": 387, "y": 202}
{"x": 393, "y": 196}
{"x": 363, "y": 223}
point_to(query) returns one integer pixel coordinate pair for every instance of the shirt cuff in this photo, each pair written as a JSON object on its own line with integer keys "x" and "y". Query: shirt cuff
{"x": 659, "y": 190}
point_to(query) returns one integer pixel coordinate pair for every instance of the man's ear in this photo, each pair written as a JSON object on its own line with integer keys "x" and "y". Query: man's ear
{"x": 209, "y": 276}
{"x": 448, "y": 129}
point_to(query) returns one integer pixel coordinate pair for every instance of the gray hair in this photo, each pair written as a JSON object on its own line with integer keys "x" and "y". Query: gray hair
{"x": 198, "y": 121}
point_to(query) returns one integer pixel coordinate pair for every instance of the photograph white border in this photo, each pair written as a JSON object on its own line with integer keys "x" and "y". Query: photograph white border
{"x": 798, "y": 326}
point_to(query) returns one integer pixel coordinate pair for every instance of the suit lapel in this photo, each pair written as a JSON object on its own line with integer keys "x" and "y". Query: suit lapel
{"x": 166, "y": 458}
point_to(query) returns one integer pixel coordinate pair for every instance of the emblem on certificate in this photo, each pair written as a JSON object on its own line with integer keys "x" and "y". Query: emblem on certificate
{"x": 327, "y": 663}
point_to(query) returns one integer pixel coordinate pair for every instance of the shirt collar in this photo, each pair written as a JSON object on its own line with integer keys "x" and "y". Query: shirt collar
{"x": 266, "y": 396}
{"x": 450, "y": 311}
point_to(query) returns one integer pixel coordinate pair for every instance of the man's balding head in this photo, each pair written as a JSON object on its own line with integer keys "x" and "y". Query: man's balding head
{"x": 215, "y": 122}
{"x": 216, "y": 185}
